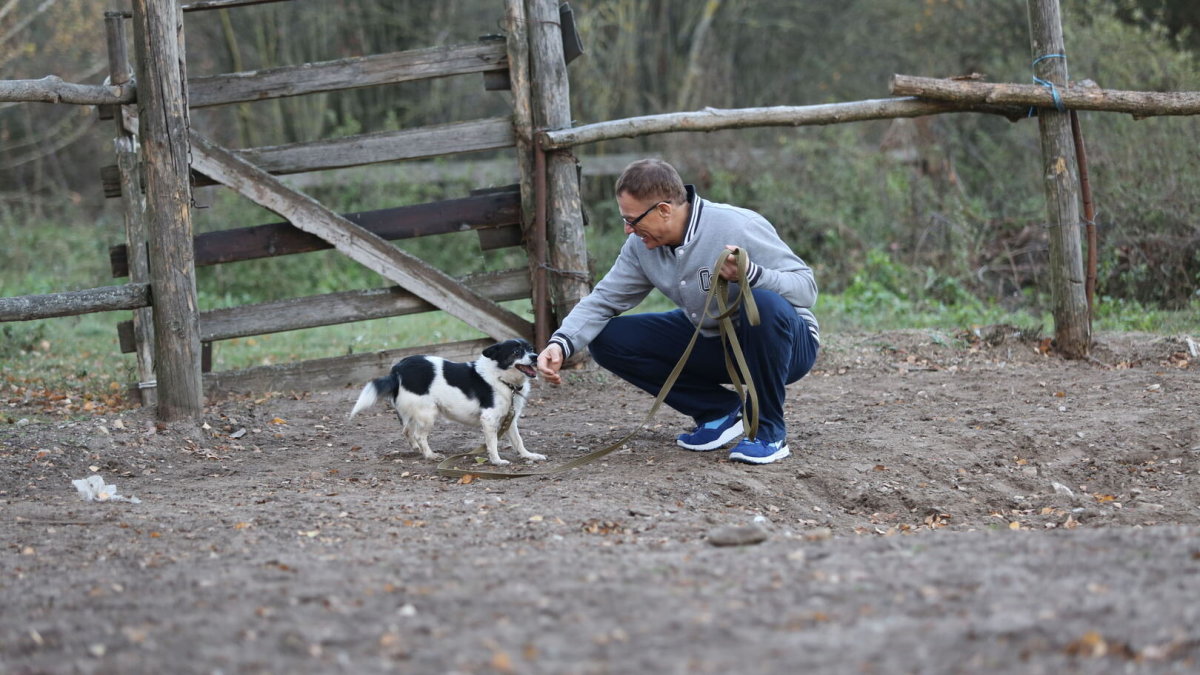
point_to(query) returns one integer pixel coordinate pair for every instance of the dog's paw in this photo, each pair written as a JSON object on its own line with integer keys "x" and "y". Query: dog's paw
{"x": 500, "y": 462}
{"x": 535, "y": 457}
{"x": 434, "y": 455}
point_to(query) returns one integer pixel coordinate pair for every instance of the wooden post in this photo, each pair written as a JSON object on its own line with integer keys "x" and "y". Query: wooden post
{"x": 522, "y": 99}
{"x": 570, "y": 280}
{"x": 162, "y": 113}
{"x": 1071, "y": 330}
{"x": 134, "y": 206}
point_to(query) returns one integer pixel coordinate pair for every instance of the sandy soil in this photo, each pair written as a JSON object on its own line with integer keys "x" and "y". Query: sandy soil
{"x": 952, "y": 505}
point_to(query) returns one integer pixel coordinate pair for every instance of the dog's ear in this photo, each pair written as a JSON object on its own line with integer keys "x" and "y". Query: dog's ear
{"x": 493, "y": 352}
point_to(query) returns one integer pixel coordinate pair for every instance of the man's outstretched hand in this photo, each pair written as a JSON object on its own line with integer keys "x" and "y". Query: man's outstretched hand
{"x": 549, "y": 362}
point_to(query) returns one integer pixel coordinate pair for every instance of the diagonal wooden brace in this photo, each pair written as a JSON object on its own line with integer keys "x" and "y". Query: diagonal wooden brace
{"x": 361, "y": 245}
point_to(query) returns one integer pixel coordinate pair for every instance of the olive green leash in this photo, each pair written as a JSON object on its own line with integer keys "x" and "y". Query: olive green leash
{"x": 733, "y": 356}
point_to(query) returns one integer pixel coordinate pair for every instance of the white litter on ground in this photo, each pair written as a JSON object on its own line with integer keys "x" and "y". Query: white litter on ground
{"x": 93, "y": 489}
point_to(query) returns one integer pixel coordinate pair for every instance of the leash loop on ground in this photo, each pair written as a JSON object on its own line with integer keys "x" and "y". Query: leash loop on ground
{"x": 717, "y": 294}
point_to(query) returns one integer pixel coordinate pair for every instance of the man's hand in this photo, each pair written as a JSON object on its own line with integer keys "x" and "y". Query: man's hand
{"x": 549, "y": 362}
{"x": 729, "y": 268}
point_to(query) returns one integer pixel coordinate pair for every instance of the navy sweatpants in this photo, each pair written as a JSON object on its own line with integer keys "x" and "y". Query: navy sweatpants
{"x": 643, "y": 348}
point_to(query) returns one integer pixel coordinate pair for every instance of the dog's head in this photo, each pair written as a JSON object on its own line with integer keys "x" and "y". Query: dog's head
{"x": 513, "y": 355}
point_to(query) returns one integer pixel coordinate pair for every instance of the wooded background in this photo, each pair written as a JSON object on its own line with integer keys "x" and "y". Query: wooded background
{"x": 957, "y": 194}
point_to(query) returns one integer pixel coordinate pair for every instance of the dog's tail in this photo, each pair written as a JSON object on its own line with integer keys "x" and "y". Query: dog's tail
{"x": 386, "y": 386}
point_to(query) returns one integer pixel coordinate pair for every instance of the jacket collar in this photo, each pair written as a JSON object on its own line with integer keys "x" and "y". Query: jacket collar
{"x": 697, "y": 205}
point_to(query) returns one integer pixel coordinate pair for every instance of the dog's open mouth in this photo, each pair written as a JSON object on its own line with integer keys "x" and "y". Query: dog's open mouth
{"x": 526, "y": 370}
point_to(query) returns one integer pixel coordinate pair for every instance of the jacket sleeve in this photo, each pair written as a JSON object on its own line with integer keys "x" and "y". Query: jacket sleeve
{"x": 620, "y": 290}
{"x": 795, "y": 283}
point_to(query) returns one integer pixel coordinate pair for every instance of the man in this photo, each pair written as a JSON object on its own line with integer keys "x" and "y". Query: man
{"x": 674, "y": 236}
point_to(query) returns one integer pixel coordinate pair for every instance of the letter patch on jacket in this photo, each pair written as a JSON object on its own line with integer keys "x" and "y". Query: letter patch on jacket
{"x": 705, "y": 279}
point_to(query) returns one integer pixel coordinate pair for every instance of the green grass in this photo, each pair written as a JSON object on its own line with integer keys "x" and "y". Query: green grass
{"x": 80, "y": 355}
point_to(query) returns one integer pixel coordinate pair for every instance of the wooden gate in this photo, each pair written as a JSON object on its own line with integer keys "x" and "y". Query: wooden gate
{"x": 501, "y": 217}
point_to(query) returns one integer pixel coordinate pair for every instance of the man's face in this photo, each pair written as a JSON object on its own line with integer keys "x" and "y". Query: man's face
{"x": 649, "y": 219}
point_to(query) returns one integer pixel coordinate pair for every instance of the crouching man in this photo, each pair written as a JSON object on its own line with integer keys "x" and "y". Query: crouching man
{"x": 673, "y": 237}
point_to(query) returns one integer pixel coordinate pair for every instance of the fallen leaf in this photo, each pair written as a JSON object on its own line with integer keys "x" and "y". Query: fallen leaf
{"x": 389, "y": 639}
{"x": 466, "y": 479}
{"x": 1092, "y": 644}
{"x": 502, "y": 662}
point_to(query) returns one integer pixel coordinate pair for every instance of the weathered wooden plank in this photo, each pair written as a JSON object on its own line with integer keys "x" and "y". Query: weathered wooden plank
{"x": 201, "y": 5}
{"x": 1072, "y": 330}
{"x": 71, "y": 303}
{"x": 368, "y": 249}
{"x": 162, "y": 115}
{"x": 388, "y": 146}
{"x": 493, "y": 238}
{"x": 1077, "y": 97}
{"x": 276, "y": 239}
{"x": 335, "y": 308}
{"x": 336, "y": 372}
{"x": 714, "y": 119}
{"x": 434, "y": 141}
{"x": 134, "y": 206}
{"x": 349, "y": 73}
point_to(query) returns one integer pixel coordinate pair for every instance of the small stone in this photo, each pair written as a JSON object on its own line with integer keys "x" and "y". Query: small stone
{"x": 737, "y": 535}
{"x": 819, "y": 534}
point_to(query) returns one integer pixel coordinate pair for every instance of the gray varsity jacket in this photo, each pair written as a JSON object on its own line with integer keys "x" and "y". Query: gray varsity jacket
{"x": 682, "y": 273}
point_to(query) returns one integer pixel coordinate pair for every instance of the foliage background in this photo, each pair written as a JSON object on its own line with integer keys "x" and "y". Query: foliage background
{"x": 955, "y": 236}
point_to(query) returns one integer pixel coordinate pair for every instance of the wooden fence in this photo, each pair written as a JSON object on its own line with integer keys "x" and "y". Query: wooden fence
{"x": 172, "y": 339}
{"x": 161, "y": 254}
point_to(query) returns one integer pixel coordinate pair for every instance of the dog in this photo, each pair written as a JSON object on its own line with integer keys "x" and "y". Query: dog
{"x": 483, "y": 393}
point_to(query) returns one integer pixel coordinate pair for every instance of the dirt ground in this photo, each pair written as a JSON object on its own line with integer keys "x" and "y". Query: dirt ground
{"x": 954, "y": 503}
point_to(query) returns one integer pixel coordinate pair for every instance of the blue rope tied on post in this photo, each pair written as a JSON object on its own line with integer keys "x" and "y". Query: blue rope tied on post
{"x": 1048, "y": 84}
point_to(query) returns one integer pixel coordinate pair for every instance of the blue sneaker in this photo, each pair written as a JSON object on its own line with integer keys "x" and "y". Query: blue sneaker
{"x": 759, "y": 451}
{"x": 714, "y": 434}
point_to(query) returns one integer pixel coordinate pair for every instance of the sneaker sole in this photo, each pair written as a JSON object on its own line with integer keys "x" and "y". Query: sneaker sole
{"x": 777, "y": 455}
{"x": 724, "y": 439}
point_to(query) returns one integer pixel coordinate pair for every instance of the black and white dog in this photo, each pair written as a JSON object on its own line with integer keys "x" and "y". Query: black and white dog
{"x": 481, "y": 393}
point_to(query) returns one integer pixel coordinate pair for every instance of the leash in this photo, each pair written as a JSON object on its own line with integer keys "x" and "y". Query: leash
{"x": 745, "y": 387}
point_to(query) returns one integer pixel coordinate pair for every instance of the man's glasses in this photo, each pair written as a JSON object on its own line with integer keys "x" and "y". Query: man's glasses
{"x": 632, "y": 224}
